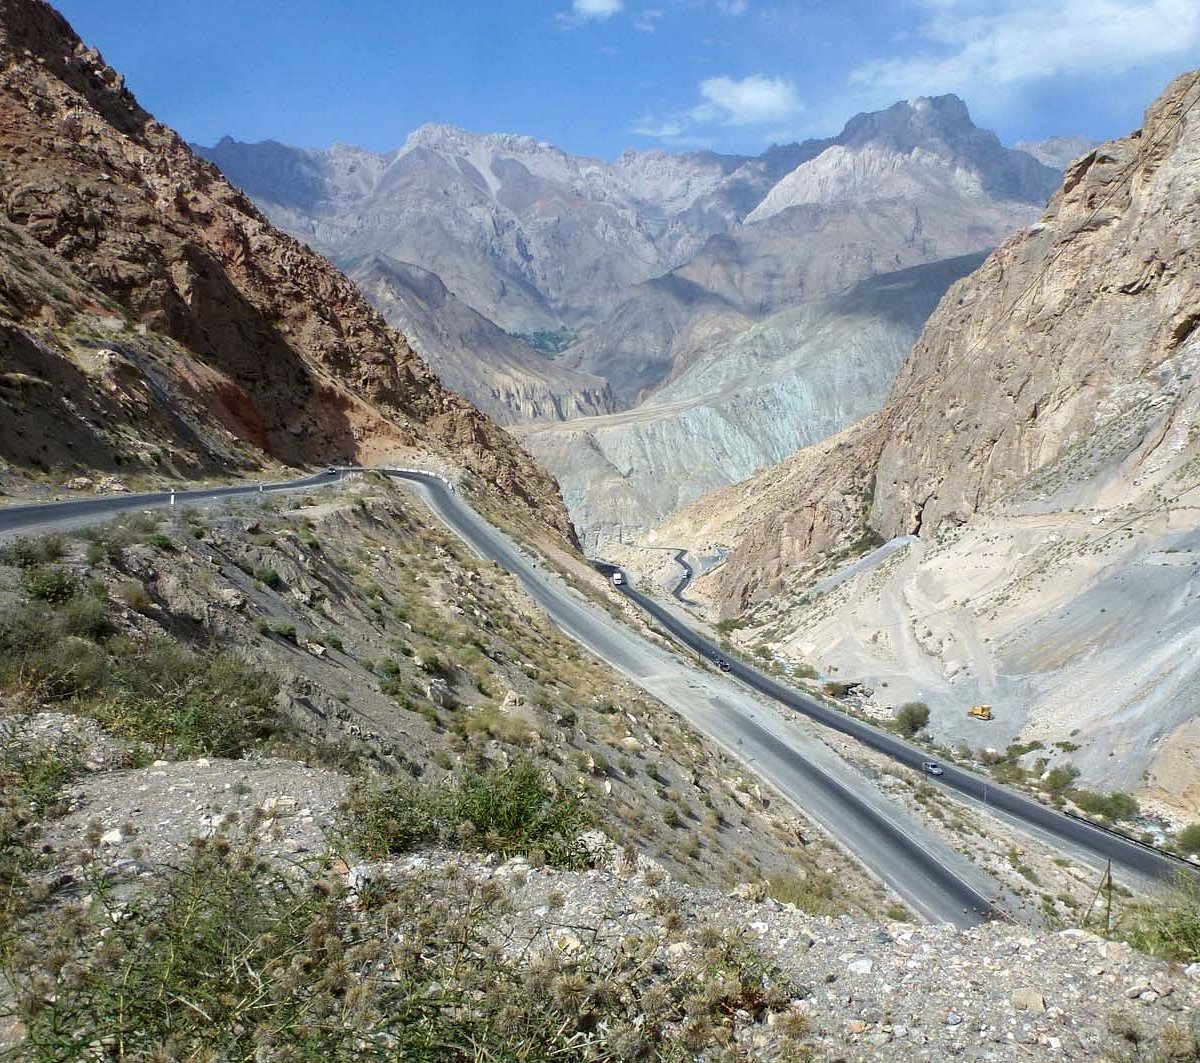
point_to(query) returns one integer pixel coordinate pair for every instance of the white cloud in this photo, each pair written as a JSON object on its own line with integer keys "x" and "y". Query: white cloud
{"x": 754, "y": 100}
{"x": 647, "y": 19}
{"x": 733, "y": 7}
{"x": 659, "y": 128}
{"x": 596, "y": 9}
{"x": 976, "y": 45}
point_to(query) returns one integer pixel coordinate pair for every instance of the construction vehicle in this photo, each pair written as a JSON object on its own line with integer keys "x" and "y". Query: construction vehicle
{"x": 980, "y": 712}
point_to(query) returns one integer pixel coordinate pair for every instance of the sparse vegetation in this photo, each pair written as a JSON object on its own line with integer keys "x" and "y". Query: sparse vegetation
{"x": 517, "y": 810}
{"x": 65, "y": 653}
{"x": 549, "y": 343}
{"x": 912, "y": 717}
{"x": 1113, "y": 806}
{"x": 232, "y": 959}
{"x": 1170, "y": 928}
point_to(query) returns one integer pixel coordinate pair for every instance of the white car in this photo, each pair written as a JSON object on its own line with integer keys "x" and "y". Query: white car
{"x": 618, "y": 579}
{"x": 932, "y": 767}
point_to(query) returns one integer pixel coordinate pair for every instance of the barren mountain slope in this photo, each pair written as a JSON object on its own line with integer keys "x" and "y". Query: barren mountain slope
{"x": 244, "y": 327}
{"x": 746, "y": 401}
{"x": 1040, "y": 446}
{"x": 519, "y": 230}
{"x": 911, "y": 185}
{"x": 1058, "y": 152}
{"x": 500, "y": 374}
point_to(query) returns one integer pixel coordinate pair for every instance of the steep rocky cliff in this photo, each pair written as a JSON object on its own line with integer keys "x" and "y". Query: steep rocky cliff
{"x": 1073, "y": 328}
{"x": 1035, "y": 470}
{"x": 747, "y": 400}
{"x": 499, "y": 373}
{"x": 1067, "y": 329}
{"x": 169, "y": 289}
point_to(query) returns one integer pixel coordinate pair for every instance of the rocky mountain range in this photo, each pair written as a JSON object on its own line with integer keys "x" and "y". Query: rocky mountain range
{"x": 751, "y": 397}
{"x": 155, "y": 321}
{"x": 1034, "y": 470}
{"x": 641, "y": 267}
{"x": 1058, "y": 152}
{"x": 475, "y": 357}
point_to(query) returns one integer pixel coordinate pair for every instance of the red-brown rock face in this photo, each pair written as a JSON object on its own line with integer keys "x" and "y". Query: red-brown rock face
{"x": 114, "y": 236}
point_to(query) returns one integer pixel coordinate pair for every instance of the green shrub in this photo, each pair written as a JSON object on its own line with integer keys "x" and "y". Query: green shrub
{"x": 32, "y": 777}
{"x": 1060, "y": 779}
{"x": 517, "y": 810}
{"x": 433, "y": 664}
{"x": 1188, "y": 839}
{"x": 53, "y": 584}
{"x": 912, "y": 717}
{"x": 281, "y": 628}
{"x": 389, "y": 667}
{"x": 814, "y": 892}
{"x": 1113, "y": 806}
{"x": 193, "y": 703}
{"x": 1169, "y": 929}
{"x": 155, "y": 691}
{"x": 86, "y": 617}
{"x": 29, "y": 553}
{"x": 268, "y": 577}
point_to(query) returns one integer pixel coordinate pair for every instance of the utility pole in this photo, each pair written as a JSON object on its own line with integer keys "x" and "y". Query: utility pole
{"x": 1108, "y": 904}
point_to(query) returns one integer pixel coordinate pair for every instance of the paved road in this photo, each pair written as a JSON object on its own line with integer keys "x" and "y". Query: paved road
{"x": 689, "y": 574}
{"x": 935, "y": 881}
{"x": 76, "y": 511}
{"x": 1049, "y": 823}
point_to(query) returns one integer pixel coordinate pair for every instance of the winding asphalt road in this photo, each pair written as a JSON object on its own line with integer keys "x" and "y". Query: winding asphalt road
{"x": 933, "y": 880}
{"x": 1080, "y": 834}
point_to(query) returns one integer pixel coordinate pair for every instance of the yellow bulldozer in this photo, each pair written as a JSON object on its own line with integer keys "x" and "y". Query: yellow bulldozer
{"x": 980, "y": 712}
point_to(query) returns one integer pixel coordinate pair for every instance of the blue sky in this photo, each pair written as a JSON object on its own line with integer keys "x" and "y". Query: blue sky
{"x": 596, "y": 76}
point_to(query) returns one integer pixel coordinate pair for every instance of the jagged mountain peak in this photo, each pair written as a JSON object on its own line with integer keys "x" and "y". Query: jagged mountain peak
{"x": 916, "y": 150}
{"x": 916, "y": 123}
{"x": 1059, "y": 151}
{"x": 454, "y": 140}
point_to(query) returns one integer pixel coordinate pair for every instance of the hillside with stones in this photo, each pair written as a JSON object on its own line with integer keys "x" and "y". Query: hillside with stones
{"x": 340, "y": 689}
{"x": 1035, "y": 465}
{"x": 156, "y": 322}
{"x": 498, "y": 373}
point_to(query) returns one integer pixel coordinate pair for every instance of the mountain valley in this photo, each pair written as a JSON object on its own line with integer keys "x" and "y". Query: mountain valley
{"x": 1032, "y": 469}
{"x": 652, "y": 262}
{"x": 475, "y": 601}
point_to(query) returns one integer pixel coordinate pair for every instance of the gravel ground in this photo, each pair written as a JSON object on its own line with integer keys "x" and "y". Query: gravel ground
{"x": 147, "y": 816}
{"x": 871, "y": 991}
